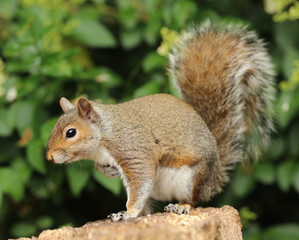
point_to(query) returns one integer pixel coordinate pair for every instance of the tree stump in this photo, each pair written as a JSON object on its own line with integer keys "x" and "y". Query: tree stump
{"x": 202, "y": 224}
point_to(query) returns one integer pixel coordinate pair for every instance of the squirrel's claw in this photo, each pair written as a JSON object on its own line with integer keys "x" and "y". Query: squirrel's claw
{"x": 179, "y": 208}
{"x": 119, "y": 216}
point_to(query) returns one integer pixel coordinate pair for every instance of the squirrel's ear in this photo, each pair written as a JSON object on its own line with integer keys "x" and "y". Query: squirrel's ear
{"x": 86, "y": 111}
{"x": 66, "y": 105}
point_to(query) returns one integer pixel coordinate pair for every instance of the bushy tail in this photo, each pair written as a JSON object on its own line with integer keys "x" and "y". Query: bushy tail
{"x": 225, "y": 73}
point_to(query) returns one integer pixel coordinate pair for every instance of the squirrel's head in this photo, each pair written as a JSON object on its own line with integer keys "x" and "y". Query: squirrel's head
{"x": 74, "y": 136}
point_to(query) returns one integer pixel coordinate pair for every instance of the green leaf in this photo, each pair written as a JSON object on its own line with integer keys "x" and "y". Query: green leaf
{"x": 104, "y": 76}
{"x": 44, "y": 222}
{"x": 46, "y": 130}
{"x": 279, "y": 232}
{"x": 130, "y": 38}
{"x": 77, "y": 179}
{"x": 38, "y": 18}
{"x": 287, "y": 107}
{"x": 35, "y": 156}
{"x": 285, "y": 174}
{"x": 7, "y": 8}
{"x": 11, "y": 184}
{"x": 184, "y": 10}
{"x": 291, "y": 55}
{"x": 5, "y": 128}
{"x": 112, "y": 184}
{"x": 25, "y": 115}
{"x": 93, "y": 34}
{"x": 277, "y": 148}
{"x": 208, "y": 13}
{"x": 99, "y": 1}
{"x": 56, "y": 67}
{"x": 151, "y": 33}
{"x": 247, "y": 215}
{"x": 22, "y": 169}
{"x": 265, "y": 172}
{"x": 13, "y": 48}
{"x": 129, "y": 17}
{"x": 13, "y": 114}
{"x": 22, "y": 229}
{"x": 60, "y": 64}
{"x": 149, "y": 88}
{"x": 153, "y": 61}
{"x": 88, "y": 12}
{"x": 1, "y": 196}
{"x": 293, "y": 141}
{"x": 242, "y": 185}
{"x": 296, "y": 178}
{"x": 283, "y": 37}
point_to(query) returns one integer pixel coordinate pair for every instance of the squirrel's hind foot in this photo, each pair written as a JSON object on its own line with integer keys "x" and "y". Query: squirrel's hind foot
{"x": 179, "y": 208}
{"x": 123, "y": 215}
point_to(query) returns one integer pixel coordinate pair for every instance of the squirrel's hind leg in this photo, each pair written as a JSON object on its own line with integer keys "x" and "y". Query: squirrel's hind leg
{"x": 148, "y": 207}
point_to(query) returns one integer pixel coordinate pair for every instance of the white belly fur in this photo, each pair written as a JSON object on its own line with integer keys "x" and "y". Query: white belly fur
{"x": 173, "y": 183}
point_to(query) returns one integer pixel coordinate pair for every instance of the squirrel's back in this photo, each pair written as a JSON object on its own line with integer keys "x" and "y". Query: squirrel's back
{"x": 225, "y": 73}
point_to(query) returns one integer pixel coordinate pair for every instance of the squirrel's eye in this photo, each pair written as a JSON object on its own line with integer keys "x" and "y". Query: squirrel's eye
{"x": 71, "y": 133}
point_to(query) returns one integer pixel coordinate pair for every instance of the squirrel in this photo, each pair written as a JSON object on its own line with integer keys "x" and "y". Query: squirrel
{"x": 166, "y": 148}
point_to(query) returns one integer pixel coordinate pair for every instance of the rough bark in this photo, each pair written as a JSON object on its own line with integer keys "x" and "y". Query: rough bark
{"x": 202, "y": 224}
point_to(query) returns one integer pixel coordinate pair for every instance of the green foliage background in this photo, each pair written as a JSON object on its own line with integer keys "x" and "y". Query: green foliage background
{"x": 106, "y": 50}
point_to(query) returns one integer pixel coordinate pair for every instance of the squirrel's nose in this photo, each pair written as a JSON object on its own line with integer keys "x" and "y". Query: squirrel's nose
{"x": 49, "y": 156}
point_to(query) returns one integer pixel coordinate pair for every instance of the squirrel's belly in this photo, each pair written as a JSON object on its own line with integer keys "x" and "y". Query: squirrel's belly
{"x": 173, "y": 183}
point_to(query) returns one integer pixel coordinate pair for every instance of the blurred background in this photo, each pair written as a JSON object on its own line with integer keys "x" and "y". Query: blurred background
{"x": 106, "y": 50}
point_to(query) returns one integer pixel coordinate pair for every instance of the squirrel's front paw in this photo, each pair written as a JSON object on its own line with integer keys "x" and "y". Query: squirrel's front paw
{"x": 119, "y": 216}
{"x": 108, "y": 170}
{"x": 182, "y": 208}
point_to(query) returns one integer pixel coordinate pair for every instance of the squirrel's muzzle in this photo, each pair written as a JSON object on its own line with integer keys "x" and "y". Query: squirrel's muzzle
{"x": 49, "y": 156}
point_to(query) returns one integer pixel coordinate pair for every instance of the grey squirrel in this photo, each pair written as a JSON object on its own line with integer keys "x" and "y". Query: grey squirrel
{"x": 165, "y": 148}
